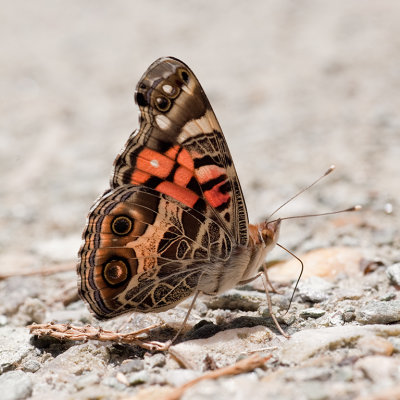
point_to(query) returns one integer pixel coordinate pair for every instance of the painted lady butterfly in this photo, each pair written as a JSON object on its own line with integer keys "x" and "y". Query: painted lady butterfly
{"x": 174, "y": 222}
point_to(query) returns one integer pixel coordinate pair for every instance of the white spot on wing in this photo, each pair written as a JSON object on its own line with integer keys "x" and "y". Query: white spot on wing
{"x": 163, "y": 122}
{"x": 155, "y": 163}
{"x": 167, "y": 88}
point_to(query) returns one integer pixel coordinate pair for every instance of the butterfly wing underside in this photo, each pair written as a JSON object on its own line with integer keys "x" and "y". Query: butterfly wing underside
{"x": 175, "y": 203}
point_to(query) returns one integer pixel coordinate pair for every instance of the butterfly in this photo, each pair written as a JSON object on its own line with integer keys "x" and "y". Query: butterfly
{"x": 174, "y": 221}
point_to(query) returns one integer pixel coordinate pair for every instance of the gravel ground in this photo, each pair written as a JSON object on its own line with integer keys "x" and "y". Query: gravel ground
{"x": 296, "y": 86}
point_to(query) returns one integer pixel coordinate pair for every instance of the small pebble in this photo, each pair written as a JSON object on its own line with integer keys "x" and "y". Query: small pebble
{"x": 286, "y": 318}
{"x": 280, "y": 301}
{"x": 155, "y": 360}
{"x": 396, "y": 343}
{"x": 312, "y": 313}
{"x": 3, "y": 320}
{"x": 178, "y": 377}
{"x": 87, "y": 380}
{"x": 137, "y": 378}
{"x": 31, "y": 365}
{"x": 314, "y": 289}
{"x": 113, "y": 382}
{"x": 349, "y": 316}
{"x": 32, "y": 311}
{"x": 131, "y": 366}
{"x": 379, "y": 312}
{"x": 393, "y": 273}
{"x": 336, "y": 319}
{"x": 388, "y": 296}
{"x": 15, "y": 385}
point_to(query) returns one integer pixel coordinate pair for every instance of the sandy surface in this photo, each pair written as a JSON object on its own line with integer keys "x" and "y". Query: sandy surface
{"x": 296, "y": 86}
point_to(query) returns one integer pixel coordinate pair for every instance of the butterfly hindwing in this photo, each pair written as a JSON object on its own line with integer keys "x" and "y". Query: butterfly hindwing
{"x": 144, "y": 251}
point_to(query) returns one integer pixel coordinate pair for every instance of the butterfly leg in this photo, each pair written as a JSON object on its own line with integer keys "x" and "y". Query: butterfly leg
{"x": 273, "y": 316}
{"x": 268, "y": 281}
{"x": 186, "y": 317}
{"x": 165, "y": 346}
{"x": 246, "y": 281}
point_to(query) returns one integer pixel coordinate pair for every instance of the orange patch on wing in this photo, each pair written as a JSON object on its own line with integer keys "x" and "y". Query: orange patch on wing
{"x": 185, "y": 160}
{"x": 172, "y": 152}
{"x": 214, "y": 197}
{"x": 208, "y": 172}
{"x": 182, "y": 176}
{"x": 154, "y": 163}
{"x": 138, "y": 177}
{"x": 179, "y": 193}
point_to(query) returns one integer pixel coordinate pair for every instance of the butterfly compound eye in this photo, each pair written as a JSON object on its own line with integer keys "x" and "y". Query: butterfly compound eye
{"x": 163, "y": 103}
{"x": 115, "y": 272}
{"x": 121, "y": 225}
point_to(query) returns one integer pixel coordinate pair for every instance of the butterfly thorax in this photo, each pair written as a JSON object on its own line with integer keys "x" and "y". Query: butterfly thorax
{"x": 244, "y": 261}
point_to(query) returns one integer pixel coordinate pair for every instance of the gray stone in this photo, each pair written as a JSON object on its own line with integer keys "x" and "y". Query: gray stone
{"x": 309, "y": 342}
{"x": 336, "y": 318}
{"x": 349, "y": 293}
{"x": 87, "y": 380}
{"x": 14, "y": 346}
{"x": 31, "y": 365}
{"x": 393, "y": 273}
{"x": 137, "y": 378}
{"x": 349, "y": 315}
{"x": 287, "y": 318}
{"x": 155, "y": 360}
{"x": 77, "y": 360}
{"x": 281, "y": 301}
{"x": 379, "y": 312}
{"x": 388, "y": 296}
{"x": 131, "y": 366}
{"x": 312, "y": 313}
{"x": 15, "y": 385}
{"x": 178, "y": 377}
{"x": 114, "y": 383}
{"x": 236, "y": 300}
{"x": 314, "y": 289}
{"x": 32, "y": 311}
{"x": 396, "y": 343}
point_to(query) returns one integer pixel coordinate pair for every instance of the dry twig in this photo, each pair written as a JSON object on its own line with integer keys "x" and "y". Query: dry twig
{"x": 88, "y": 332}
{"x": 245, "y": 365}
{"x": 43, "y": 271}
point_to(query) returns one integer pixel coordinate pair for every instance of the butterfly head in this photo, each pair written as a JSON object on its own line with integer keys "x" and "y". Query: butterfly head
{"x": 269, "y": 232}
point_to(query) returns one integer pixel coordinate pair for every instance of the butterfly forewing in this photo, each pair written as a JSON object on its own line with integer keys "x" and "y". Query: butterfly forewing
{"x": 180, "y": 150}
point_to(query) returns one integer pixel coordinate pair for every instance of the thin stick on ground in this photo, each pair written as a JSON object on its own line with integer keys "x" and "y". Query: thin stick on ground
{"x": 43, "y": 271}
{"x": 242, "y": 366}
{"x": 88, "y": 332}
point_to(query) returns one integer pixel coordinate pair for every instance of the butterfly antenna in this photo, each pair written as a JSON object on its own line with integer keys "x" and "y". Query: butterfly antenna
{"x": 298, "y": 279}
{"x": 328, "y": 171}
{"x": 358, "y": 207}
